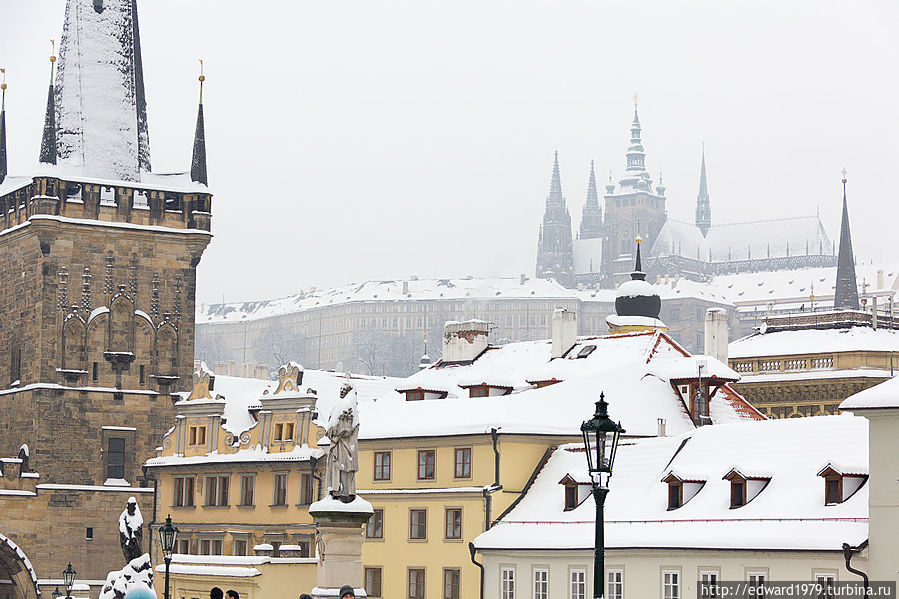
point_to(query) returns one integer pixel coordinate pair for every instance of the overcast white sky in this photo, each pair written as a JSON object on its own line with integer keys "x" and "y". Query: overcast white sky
{"x": 365, "y": 140}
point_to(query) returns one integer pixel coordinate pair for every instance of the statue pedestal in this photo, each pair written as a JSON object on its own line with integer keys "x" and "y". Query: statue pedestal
{"x": 340, "y": 530}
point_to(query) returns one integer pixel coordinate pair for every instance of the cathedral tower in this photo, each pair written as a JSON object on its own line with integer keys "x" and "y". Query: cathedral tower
{"x": 591, "y": 219}
{"x": 703, "y": 207}
{"x": 554, "y": 253}
{"x": 97, "y": 293}
{"x": 846, "y": 292}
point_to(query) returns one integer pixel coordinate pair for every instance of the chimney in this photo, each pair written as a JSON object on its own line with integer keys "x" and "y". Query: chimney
{"x": 524, "y": 279}
{"x": 716, "y": 334}
{"x": 564, "y": 331}
{"x": 464, "y": 341}
{"x": 879, "y": 278}
{"x": 405, "y": 287}
{"x": 662, "y": 427}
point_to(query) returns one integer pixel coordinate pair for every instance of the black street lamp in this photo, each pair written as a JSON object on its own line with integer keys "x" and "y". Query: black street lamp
{"x": 600, "y": 442}
{"x": 56, "y": 594}
{"x": 168, "y": 533}
{"x": 68, "y": 579}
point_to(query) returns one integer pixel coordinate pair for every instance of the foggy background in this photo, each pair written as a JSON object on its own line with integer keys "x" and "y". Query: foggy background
{"x": 367, "y": 140}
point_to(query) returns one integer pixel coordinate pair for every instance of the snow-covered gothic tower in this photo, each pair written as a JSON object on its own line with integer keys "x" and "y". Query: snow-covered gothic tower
{"x": 591, "y": 218}
{"x": 703, "y": 206}
{"x": 554, "y": 252}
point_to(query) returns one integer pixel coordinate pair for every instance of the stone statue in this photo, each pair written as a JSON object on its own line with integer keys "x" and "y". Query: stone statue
{"x": 131, "y": 525}
{"x": 343, "y": 454}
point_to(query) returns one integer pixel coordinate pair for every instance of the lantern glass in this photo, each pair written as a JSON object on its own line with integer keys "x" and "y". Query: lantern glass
{"x": 68, "y": 576}
{"x": 601, "y": 443}
{"x": 168, "y": 534}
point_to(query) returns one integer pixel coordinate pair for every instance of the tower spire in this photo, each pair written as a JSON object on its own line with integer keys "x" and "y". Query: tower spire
{"x": 591, "y": 219}
{"x": 555, "y": 186}
{"x": 846, "y": 293}
{"x": 3, "y": 166}
{"x": 198, "y": 160}
{"x": 703, "y": 206}
{"x": 638, "y": 274}
{"x": 48, "y": 141}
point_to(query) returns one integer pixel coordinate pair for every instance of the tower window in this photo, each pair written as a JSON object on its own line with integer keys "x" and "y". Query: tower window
{"x": 95, "y": 372}
{"x": 115, "y": 458}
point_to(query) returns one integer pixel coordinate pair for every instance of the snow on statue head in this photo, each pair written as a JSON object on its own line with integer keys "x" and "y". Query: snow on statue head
{"x": 131, "y": 531}
{"x": 343, "y": 454}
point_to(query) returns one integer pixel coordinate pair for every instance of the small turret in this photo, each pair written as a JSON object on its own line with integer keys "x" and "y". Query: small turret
{"x": 198, "y": 159}
{"x": 637, "y": 305}
{"x": 48, "y": 141}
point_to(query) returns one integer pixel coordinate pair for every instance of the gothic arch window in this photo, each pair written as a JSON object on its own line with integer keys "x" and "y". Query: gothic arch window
{"x": 121, "y": 325}
{"x": 166, "y": 351}
{"x": 73, "y": 344}
{"x": 96, "y": 345}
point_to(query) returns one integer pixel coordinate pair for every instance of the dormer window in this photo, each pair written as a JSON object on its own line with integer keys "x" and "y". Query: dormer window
{"x": 415, "y": 395}
{"x": 841, "y": 483}
{"x": 575, "y": 491}
{"x": 744, "y": 487}
{"x": 484, "y": 389}
{"x": 478, "y": 391}
{"x": 420, "y": 393}
{"x": 681, "y": 488}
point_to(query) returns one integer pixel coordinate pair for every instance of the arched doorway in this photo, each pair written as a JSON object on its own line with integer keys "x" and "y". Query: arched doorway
{"x": 16, "y": 568}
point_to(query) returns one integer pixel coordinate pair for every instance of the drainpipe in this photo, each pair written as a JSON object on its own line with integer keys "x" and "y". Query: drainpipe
{"x": 487, "y": 508}
{"x": 847, "y": 554}
{"x": 494, "y": 436}
{"x": 318, "y": 493}
{"x": 472, "y": 551}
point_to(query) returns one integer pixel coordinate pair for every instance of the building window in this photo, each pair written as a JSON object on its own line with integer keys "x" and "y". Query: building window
{"x": 279, "y": 429}
{"x": 210, "y": 546}
{"x": 115, "y": 458}
{"x": 95, "y": 372}
{"x": 463, "y": 462}
{"x": 415, "y": 395}
{"x": 670, "y": 584}
{"x": 196, "y": 435}
{"x": 426, "y": 460}
{"x": 479, "y": 391}
{"x": 183, "y": 547}
{"x": 418, "y": 524}
{"x": 375, "y": 527}
{"x": 143, "y": 377}
{"x": 541, "y": 583}
{"x": 737, "y": 493}
{"x": 451, "y": 578}
{"x": 756, "y": 579}
{"x": 453, "y": 523}
{"x": 247, "y": 488}
{"x": 615, "y": 584}
{"x": 570, "y": 497}
{"x": 217, "y": 490}
{"x": 373, "y": 582}
{"x": 240, "y": 547}
{"x": 306, "y": 488}
{"x": 89, "y": 533}
{"x": 675, "y": 492}
{"x": 578, "y": 584}
{"x": 382, "y": 465}
{"x": 507, "y": 583}
{"x": 183, "y": 491}
{"x": 416, "y": 583}
{"x": 832, "y": 492}
{"x": 825, "y": 583}
{"x": 279, "y": 492}
{"x": 708, "y": 583}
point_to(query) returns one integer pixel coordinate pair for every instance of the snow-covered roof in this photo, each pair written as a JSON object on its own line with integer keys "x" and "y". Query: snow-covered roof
{"x": 814, "y": 341}
{"x": 884, "y": 395}
{"x": 744, "y": 240}
{"x": 632, "y": 370}
{"x": 789, "y": 513}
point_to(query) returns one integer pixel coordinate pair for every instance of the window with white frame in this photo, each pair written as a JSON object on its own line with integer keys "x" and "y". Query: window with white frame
{"x": 757, "y": 578}
{"x": 507, "y": 584}
{"x": 541, "y": 583}
{"x": 670, "y": 584}
{"x": 614, "y": 584}
{"x": 578, "y": 584}
{"x": 708, "y": 580}
{"x": 825, "y": 582}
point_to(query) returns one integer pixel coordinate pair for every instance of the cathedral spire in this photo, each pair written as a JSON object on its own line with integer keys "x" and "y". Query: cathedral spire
{"x": 555, "y": 186}
{"x": 198, "y": 160}
{"x": 846, "y": 293}
{"x": 555, "y": 258}
{"x": 638, "y": 274}
{"x": 703, "y": 206}
{"x": 3, "y": 166}
{"x": 48, "y": 141}
{"x": 591, "y": 219}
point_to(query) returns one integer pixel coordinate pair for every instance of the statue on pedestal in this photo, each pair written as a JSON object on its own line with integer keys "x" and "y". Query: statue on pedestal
{"x": 343, "y": 454}
{"x": 131, "y": 530}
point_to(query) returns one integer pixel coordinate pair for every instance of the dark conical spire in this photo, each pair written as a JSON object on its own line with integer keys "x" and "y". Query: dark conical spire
{"x": 591, "y": 219}
{"x": 638, "y": 274}
{"x": 846, "y": 293}
{"x": 555, "y": 258}
{"x": 198, "y": 160}
{"x": 555, "y": 186}
{"x": 3, "y": 167}
{"x": 703, "y": 206}
{"x": 48, "y": 141}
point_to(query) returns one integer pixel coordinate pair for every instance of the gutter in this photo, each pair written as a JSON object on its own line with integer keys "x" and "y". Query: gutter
{"x": 472, "y": 550}
{"x": 848, "y": 551}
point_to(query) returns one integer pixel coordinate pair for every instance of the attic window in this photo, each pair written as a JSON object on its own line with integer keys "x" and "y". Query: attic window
{"x": 744, "y": 489}
{"x": 479, "y": 391}
{"x": 675, "y": 495}
{"x": 570, "y": 497}
{"x": 840, "y": 485}
{"x": 417, "y": 395}
{"x": 737, "y": 493}
{"x": 586, "y": 351}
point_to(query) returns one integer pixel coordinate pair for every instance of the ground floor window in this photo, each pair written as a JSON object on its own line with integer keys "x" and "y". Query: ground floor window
{"x": 451, "y": 578}
{"x": 670, "y": 584}
{"x": 541, "y": 583}
{"x": 615, "y": 582}
{"x": 373, "y": 582}
{"x": 507, "y": 583}
{"x": 578, "y": 584}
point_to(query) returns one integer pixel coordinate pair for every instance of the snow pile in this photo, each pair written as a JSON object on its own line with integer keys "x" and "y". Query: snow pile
{"x": 814, "y": 341}
{"x": 138, "y": 574}
{"x": 330, "y": 504}
{"x": 884, "y": 395}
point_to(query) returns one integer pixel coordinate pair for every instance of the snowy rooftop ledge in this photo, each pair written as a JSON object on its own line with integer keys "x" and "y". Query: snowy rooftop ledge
{"x": 331, "y": 505}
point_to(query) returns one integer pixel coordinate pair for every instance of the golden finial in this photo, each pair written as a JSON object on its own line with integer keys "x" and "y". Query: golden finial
{"x": 844, "y": 175}
{"x": 52, "y": 50}
{"x": 639, "y": 240}
{"x": 3, "y": 79}
{"x": 202, "y": 76}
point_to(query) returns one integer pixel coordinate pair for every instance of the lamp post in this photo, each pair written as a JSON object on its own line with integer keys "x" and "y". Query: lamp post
{"x": 600, "y": 443}
{"x": 68, "y": 579}
{"x": 168, "y": 533}
{"x": 56, "y": 594}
